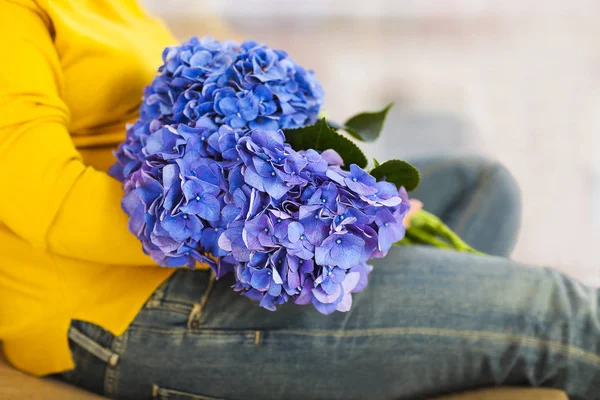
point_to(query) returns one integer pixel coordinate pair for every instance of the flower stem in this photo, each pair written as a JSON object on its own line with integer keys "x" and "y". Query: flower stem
{"x": 426, "y": 228}
{"x": 422, "y": 236}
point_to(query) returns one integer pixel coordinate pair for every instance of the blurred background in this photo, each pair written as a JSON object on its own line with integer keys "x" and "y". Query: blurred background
{"x": 518, "y": 81}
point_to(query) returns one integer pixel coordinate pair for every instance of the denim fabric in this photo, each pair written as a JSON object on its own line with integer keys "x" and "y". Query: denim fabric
{"x": 430, "y": 322}
{"x": 477, "y": 198}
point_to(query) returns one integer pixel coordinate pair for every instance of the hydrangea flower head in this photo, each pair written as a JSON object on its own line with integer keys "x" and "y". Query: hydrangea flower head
{"x": 309, "y": 239}
{"x": 244, "y": 86}
{"x": 209, "y": 178}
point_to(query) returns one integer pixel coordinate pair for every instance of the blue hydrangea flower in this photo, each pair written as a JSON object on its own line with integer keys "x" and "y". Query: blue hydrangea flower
{"x": 290, "y": 229}
{"x": 244, "y": 86}
{"x": 318, "y": 228}
{"x": 209, "y": 178}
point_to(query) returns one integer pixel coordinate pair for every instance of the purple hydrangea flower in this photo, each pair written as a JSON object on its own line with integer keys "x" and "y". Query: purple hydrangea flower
{"x": 318, "y": 228}
{"x": 244, "y": 86}
{"x": 291, "y": 230}
{"x": 209, "y": 178}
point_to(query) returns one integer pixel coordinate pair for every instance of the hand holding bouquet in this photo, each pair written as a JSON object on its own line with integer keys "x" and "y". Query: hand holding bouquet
{"x": 229, "y": 165}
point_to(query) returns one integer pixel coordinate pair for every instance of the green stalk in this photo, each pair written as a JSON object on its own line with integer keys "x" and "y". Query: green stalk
{"x": 426, "y": 228}
{"x": 422, "y": 236}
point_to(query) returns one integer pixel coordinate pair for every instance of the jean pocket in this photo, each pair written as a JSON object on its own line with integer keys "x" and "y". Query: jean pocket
{"x": 181, "y": 292}
{"x": 91, "y": 345}
{"x": 160, "y": 393}
{"x": 92, "y": 355}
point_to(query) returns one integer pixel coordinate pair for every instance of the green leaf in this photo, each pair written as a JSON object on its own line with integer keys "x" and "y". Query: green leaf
{"x": 334, "y": 125}
{"x": 368, "y": 125}
{"x": 398, "y": 172}
{"x": 376, "y": 163}
{"x": 321, "y": 137}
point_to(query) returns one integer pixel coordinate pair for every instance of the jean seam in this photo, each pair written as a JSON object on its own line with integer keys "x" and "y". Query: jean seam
{"x": 253, "y": 336}
{"x": 111, "y": 374}
{"x": 185, "y": 310}
{"x": 210, "y": 331}
{"x": 157, "y": 390}
{"x": 493, "y": 336}
{"x": 160, "y": 301}
{"x": 157, "y": 297}
{"x": 195, "y": 319}
{"x": 374, "y": 332}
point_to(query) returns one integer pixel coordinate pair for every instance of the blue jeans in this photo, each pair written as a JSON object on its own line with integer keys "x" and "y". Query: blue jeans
{"x": 430, "y": 322}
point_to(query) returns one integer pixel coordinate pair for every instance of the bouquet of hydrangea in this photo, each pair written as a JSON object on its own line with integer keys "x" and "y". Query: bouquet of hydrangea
{"x": 229, "y": 165}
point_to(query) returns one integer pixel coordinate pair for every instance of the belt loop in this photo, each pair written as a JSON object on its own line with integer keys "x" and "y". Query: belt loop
{"x": 194, "y": 320}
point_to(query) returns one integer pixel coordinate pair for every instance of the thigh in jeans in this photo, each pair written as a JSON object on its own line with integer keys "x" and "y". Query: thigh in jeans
{"x": 430, "y": 322}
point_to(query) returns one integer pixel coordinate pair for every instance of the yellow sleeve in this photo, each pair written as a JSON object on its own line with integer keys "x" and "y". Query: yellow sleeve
{"x": 48, "y": 196}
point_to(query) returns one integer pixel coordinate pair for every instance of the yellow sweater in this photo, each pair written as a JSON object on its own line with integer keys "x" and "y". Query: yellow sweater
{"x": 71, "y": 77}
